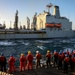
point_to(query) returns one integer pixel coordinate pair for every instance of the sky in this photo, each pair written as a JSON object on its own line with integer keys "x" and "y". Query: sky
{"x": 29, "y": 7}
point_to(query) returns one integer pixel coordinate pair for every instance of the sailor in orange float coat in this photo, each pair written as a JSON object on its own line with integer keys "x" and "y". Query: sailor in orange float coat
{"x": 48, "y": 59}
{"x": 60, "y": 59}
{"x": 29, "y": 58}
{"x": 22, "y": 62}
{"x": 66, "y": 62}
{"x": 3, "y": 62}
{"x": 38, "y": 57}
{"x": 73, "y": 60}
{"x": 11, "y": 62}
{"x": 67, "y": 52}
{"x": 55, "y": 57}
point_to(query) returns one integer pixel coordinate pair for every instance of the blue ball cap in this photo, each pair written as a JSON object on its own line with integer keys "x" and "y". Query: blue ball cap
{"x": 11, "y": 55}
{"x": 54, "y": 50}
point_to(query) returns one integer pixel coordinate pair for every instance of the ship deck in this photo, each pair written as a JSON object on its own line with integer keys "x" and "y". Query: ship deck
{"x": 41, "y": 71}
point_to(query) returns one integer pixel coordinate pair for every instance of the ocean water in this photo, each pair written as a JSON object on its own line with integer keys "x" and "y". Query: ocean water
{"x": 16, "y": 47}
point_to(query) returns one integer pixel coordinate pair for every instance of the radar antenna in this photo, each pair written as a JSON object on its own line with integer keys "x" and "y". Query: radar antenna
{"x": 49, "y": 6}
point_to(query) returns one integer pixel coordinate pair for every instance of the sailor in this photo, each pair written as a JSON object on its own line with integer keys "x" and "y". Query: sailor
{"x": 48, "y": 58}
{"x": 29, "y": 58}
{"x": 73, "y": 60}
{"x": 67, "y": 52}
{"x": 3, "y": 62}
{"x": 11, "y": 62}
{"x": 38, "y": 58}
{"x": 55, "y": 57}
{"x": 22, "y": 62}
{"x": 60, "y": 59}
{"x": 71, "y": 63}
{"x": 63, "y": 55}
{"x": 66, "y": 62}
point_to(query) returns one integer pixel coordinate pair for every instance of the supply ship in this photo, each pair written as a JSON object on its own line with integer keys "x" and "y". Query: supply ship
{"x": 44, "y": 26}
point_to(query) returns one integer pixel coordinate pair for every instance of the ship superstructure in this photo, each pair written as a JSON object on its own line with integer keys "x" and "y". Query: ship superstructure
{"x": 44, "y": 26}
{"x": 54, "y": 22}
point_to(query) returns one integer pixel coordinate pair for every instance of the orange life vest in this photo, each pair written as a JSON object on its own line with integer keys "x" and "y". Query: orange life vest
{"x": 48, "y": 55}
{"x": 73, "y": 59}
{"x": 66, "y": 59}
{"x": 22, "y": 59}
{"x": 67, "y": 52}
{"x": 2, "y": 59}
{"x": 60, "y": 57}
{"x": 38, "y": 56}
{"x": 55, "y": 54}
{"x": 29, "y": 57}
{"x": 11, "y": 60}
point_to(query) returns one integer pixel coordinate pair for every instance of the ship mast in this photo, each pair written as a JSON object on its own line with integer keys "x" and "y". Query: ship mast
{"x": 49, "y": 6}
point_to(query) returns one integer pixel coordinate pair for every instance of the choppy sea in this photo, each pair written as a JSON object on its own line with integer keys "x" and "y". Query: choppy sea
{"x": 16, "y": 47}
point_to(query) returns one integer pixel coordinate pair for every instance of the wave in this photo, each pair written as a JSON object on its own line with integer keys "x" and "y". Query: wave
{"x": 41, "y": 47}
{"x": 22, "y": 42}
{"x": 65, "y": 41}
{"x": 46, "y": 41}
{"x": 25, "y": 43}
{"x": 6, "y": 43}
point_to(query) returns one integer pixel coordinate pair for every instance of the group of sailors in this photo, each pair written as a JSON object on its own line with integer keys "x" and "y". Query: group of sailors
{"x": 62, "y": 60}
{"x": 65, "y": 60}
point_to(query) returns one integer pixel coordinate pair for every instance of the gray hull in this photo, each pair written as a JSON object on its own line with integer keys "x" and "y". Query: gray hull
{"x": 38, "y": 35}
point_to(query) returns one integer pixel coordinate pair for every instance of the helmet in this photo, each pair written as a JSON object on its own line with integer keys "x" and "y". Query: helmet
{"x": 22, "y": 54}
{"x": 37, "y": 51}
{"x": 48, "y": 51}
{"x": 29, "y": 52}
{"x": 2, "y": 54}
